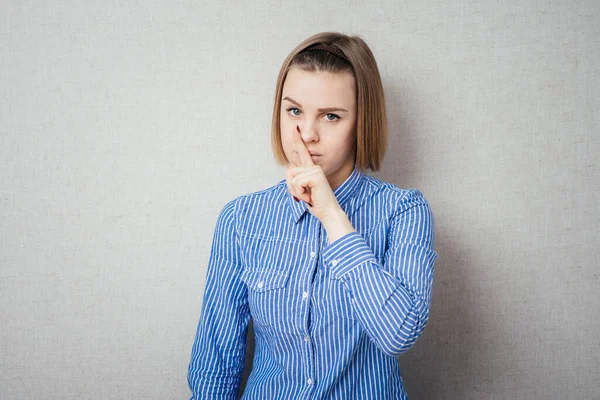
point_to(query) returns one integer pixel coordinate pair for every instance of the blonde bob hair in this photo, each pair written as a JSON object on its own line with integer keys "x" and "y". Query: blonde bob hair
{"x": 371, "y": 121}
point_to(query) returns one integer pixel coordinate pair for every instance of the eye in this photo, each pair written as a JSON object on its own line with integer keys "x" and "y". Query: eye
{"x": 334, "y": 117}
{"x": 291, "y": 111}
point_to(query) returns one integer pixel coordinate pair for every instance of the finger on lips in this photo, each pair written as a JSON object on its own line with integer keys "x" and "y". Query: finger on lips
{"x": 304, "y": 159}
{"x": 303, "y": 153}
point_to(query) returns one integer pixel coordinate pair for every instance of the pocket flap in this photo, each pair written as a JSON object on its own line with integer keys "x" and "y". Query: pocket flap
{"x": 261, "y": 280}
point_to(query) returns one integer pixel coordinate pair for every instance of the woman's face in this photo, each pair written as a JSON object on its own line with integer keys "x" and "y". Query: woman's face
{"x": 323, "y": 105}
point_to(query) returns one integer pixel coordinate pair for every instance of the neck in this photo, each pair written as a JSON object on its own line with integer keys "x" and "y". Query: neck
{"x": 340, "y": 176}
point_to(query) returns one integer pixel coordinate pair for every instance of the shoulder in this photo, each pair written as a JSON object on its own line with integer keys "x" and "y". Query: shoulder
{"x": 252, "y": 203}
{"x": 406, "y": 211}
{"x": 391, "y": 196}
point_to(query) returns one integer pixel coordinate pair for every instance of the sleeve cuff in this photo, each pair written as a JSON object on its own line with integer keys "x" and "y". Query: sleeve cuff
{"x": 347, "y": 253}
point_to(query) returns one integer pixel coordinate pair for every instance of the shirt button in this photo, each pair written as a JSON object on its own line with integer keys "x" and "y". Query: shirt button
{"x": 334, "y": 263}
{"x": 312, "y": 254}
{"x": 260, "y": 284}
{"x": 306, "y": 339}
{"x": 309, "y": 381}
{"x": 305, "y": 295}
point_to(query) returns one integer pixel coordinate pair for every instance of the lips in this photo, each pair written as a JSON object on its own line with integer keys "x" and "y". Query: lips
{"x": 314, "y": 154}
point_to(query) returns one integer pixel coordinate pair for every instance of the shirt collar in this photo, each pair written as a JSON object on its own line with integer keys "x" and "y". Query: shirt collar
{"x": 343, "y": 193}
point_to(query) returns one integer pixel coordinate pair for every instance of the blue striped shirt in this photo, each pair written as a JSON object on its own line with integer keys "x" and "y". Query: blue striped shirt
{"x": 329, "y": 319}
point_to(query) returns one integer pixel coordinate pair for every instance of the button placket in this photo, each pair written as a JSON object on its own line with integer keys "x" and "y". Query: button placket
{"x": 305, "y": 297}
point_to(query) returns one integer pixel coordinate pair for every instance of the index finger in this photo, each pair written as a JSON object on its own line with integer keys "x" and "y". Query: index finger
{"x": 301, "y": 149}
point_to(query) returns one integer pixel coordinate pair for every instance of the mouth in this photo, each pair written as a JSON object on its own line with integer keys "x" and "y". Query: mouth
{"x": 314, "y": 154}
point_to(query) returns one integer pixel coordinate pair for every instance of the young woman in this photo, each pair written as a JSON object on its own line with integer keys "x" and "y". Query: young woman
{"x": 334, "y": 266}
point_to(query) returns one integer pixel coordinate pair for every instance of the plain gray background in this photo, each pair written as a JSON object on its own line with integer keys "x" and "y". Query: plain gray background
{"x": 125, "y": 126}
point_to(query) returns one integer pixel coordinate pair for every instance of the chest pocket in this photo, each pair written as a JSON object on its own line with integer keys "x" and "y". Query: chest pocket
{"x": 266, "y": 289}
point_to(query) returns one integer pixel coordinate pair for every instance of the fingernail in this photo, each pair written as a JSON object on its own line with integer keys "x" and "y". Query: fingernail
{"x": 295, "y": 198}
{"x": 298, "y": 128}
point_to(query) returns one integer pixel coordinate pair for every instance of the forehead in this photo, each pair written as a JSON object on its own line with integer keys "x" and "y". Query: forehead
{"x": 320, "y": 89}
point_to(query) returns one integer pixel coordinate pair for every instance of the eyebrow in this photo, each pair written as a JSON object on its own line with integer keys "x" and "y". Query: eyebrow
{"x": 328, "y": 109}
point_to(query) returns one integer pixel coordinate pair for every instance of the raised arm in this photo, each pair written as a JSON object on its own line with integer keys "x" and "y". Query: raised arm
{"x": 391, "y": 299}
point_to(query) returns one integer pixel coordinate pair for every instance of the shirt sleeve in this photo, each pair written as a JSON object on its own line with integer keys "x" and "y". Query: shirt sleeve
{"x": 219, "y": 348}
{"x": 390, "y": 298}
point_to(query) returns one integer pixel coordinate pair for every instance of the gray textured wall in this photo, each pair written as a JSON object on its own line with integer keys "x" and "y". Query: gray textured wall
{"x": 126, "y": 126}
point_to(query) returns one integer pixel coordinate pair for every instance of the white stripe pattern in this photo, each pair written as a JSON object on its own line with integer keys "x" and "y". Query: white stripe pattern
{"x": 329, "y": 319}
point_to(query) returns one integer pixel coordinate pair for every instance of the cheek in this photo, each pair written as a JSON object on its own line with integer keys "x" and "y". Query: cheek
{"x": 286, "y": 142}
{"x": 285, "y": 127}
{"x": 345, "y": 141}
{"x": 286, "y": 146}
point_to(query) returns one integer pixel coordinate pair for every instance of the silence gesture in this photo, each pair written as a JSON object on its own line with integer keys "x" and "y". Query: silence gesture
{"x": 307, "y": 181}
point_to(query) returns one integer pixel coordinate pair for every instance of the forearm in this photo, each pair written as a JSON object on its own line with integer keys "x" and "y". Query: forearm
{"x": 336, "y": 224}
{"x": 209, "y": 379}
{"x": 390, "y": 314}
{"x": 387, "y": 306}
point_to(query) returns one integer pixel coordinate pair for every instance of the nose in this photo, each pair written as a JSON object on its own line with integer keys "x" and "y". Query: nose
{"x": 309, "y": 132}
